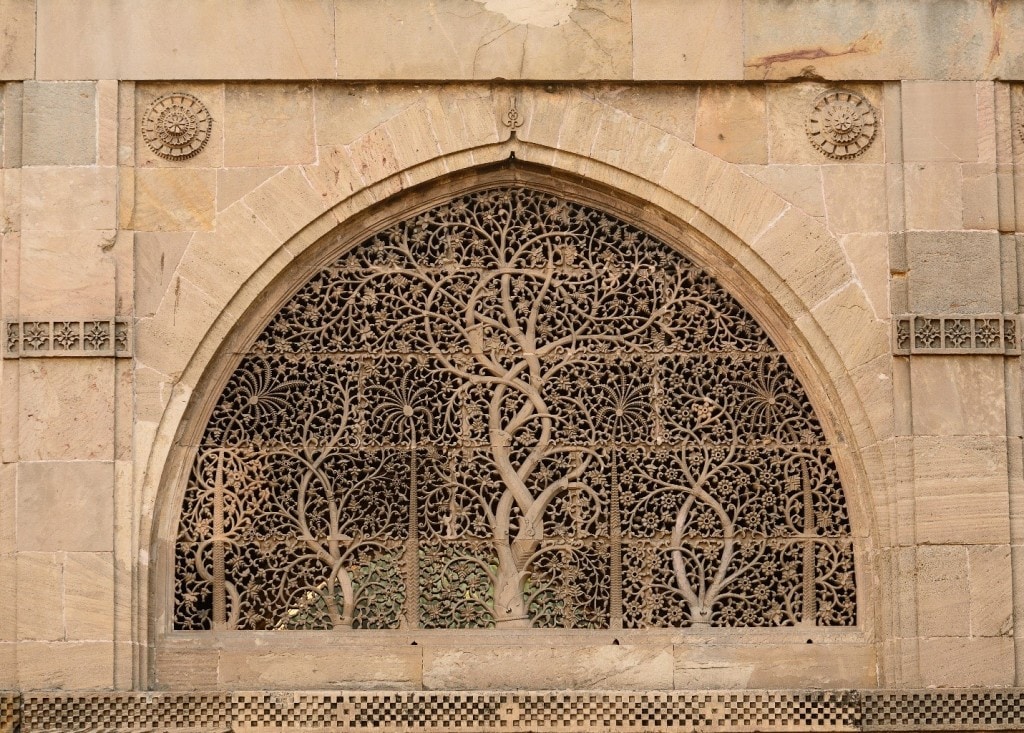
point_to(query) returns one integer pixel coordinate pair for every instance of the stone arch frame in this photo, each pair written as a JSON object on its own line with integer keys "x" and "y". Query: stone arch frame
{"x": 756, "y": 244}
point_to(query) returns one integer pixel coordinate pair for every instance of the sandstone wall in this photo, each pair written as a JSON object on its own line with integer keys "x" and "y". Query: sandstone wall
{"x": 867, "y": 267}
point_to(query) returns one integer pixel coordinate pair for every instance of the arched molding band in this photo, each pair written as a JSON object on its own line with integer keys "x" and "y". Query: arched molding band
{"x": 781, "y": 264}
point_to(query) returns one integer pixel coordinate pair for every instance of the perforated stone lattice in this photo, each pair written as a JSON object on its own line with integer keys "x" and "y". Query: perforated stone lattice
{"x": 801, "y": 710}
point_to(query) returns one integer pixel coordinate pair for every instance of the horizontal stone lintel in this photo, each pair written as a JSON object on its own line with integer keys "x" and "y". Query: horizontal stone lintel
{"x": 811, "y": 710}
{"x": 955, "y": 333}
{"x": 109, "y": 337}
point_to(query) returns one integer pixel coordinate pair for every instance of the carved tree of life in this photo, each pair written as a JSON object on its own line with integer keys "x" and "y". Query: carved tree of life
{"x": 512, "y": 410}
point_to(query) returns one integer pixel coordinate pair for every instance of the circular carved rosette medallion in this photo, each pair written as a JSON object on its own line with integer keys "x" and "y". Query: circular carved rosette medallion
{"x": 176, "y": 126}
{"x": 842, "y": 125}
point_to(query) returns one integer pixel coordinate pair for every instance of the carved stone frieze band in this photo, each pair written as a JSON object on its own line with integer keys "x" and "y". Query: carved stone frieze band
{"x": 520, "y": 711}
{"x": 994, "y": 333}
{"x": 37, "y": 338}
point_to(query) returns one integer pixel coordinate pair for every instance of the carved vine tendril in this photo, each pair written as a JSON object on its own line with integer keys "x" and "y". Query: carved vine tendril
{"x": 512, "y": 410}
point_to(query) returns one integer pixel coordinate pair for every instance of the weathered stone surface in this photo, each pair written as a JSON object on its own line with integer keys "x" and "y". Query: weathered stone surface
{"x": 174, "y": 199}
{"x": 67, "y": 274}
{"x": 234, "y": 183}
{"x": 960, "y": 485}
{"x": 954, "y": 272}
{"x": 68, "y": 199}
{"x": 694, "y": 40}
{"x": 353, "y": 667}
{"x": 732, "y": 123}
{"x": 465, "y": 39}
{"x": 940, "y": 121}
{"x": 991, "y": 596}
{"x": 40, "y": 591}
{"x": 966, "y": 661}
{"x": 855, "y": 197}
{"x": 181, "y": 39}
{"x": 955, "y": 396}
{"x": 89, "y": 596}
{"x": 503, "y": 667}
{"x": 66, "y": 409}
{"x": 723, "y": 664}
{"x": 934, "y": 195}
{"x": 18, "y": 27}
{"x": 868, "y": 256}
{"x": 65, "y": 665}
{"x": 943, "y": 595}
{"x": 156, "y": 257}
{"x": 65, "y": 505}
{"x": 268, "y": 125}
{"x": 59, "y": 123}
{"x": 868, "y": 40}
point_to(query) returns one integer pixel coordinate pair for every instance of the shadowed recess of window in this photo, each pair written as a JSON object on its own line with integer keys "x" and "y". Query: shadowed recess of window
{"x": 512, "y": 410}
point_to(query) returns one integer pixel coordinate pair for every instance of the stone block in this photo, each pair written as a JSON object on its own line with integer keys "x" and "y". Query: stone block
{"x": 459, "y": 39}
{"x": 348, "y": 667}
{"x": 966, "y": 661}
{"x": 66, "y": 409}
{"x": 510, "y": 667}
{"x": 954, "y": 272}
{"x": 855, "y": 197}
{"x": 89, "y": 596}
{"x": 991, "y": 591}
{"x": 234, "y": 183}
{"x": 800, "y": 185}
{"x": 39, "y": 596}
{"x": 108, "y": 122}
{"x": 943, "y": 595}
{"x": 940, "y": 121}
{"x": 58, "y": 198}
{"x": 67, "y": 274}
{"x": 286, "y": 203}
{"x": 182, "y": 39}
{"x": 789, "y": 106}
{"x": 848, "y": 319}
{"x": 934, "y": 195}
{"x": 947, "y": 466}
{"x": 344, "y": 113}
{"x": 951, "y": 395}
{"x": 805, "y": 257}
{"x": 212, "y": 97}
{"x": 64, "y": 665}
{"x": 784, "y": 40}
{"x": 65, "y": 505}
{"x": 59, "y": 126}
{"x": 869, "y": 257}
{"x": 670, "y": 108}
{"x": 980, "y": 196}
{"x": 8, "y": 500}
{"x": 962, "y": 519}
{"x": 12, "y": 112}
{"x": 18, "y": 27}
{"x": 175, "y": 199}
{"x": 716, "y": 664}
{"x": 732, "y": 122}
{"x": 698, "y": 40}
{"x": 156, "y": 257}
{"x": 268, "y": 125}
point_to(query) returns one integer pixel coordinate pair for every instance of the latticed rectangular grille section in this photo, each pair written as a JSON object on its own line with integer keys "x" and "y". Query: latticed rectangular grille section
{"x": 516, "y": 711}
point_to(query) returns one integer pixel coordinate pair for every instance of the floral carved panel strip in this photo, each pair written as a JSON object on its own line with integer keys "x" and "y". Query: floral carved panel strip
{"x": 512, "y": 410}
{"x": 956, "y": 334}
{"x": 37, "y": 338}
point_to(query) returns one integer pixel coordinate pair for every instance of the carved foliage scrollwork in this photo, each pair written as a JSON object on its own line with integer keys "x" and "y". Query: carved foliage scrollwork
{"x": 510, "y": 411}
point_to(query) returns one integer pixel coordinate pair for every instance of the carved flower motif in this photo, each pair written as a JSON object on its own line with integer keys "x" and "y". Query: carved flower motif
{"x": 65, "y": 335}
{"x": 842, "y": 124}
{"x": 97, "y": 335}
{"x": 176, "y": 126}
{"x": 36, "y": 335}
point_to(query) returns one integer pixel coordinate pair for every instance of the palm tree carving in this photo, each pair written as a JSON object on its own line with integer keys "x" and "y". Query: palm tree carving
{"x": 513, "y": 411}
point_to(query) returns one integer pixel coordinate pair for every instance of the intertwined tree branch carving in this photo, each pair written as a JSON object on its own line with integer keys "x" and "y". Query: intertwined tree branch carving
{"x": 513, "y": 411}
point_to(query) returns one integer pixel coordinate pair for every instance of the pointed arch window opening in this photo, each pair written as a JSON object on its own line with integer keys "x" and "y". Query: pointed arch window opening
{"x": 513, "y": 410}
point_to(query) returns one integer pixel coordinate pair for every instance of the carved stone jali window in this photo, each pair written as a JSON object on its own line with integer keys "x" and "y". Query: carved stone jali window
{"x": 512, "y": 410}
